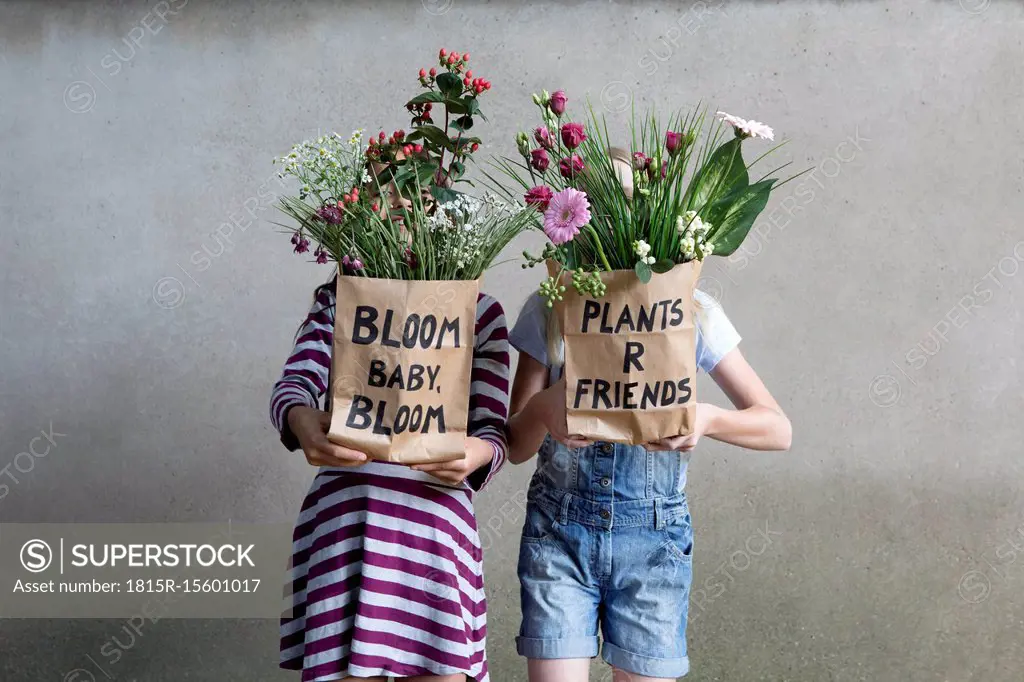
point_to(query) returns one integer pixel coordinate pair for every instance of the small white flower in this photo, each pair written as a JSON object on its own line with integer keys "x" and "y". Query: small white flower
{"x": 747, "y": 128}
{"x": 641, "y": 247}
{"x": 687, "y": 247}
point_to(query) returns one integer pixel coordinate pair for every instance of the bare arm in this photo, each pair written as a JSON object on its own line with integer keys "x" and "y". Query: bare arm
{"x": 525, "y": 430}
{"x": 537, "y": 410}
{"x": 757, "y": 423}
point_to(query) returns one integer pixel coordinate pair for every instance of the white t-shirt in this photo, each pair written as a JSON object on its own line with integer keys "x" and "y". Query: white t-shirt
{"x": 716, "y": 337}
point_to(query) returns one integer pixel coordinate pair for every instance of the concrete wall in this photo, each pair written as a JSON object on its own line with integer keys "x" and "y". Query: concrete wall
{"x": 882, "y": 306}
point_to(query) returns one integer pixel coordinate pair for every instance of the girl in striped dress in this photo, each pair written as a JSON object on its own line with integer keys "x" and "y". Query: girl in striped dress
{"x": 387, "y": 576}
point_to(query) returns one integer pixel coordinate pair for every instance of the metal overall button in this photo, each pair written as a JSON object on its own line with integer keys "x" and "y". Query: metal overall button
{"x": 605, "y": 514}
{"x": 607, "y": 448}
{"x": 605, "y": 482}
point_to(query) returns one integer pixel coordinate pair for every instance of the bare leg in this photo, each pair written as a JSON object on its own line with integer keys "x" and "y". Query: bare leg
{"x": 623, "y": 676}
{"x": 558, "y": 670}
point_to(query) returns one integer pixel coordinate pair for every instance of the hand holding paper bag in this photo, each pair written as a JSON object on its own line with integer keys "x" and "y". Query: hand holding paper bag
{"x": 310, "y": 427}
{"x": 553, "y": 412}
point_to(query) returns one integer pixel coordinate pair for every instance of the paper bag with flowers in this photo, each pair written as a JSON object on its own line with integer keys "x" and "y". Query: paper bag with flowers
{"x": 628, "y": 231}
{"x": 410, "y": 251}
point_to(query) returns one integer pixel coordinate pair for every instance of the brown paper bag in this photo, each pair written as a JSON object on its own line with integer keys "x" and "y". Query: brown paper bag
{"x": 401, "y": 367}
{"x": 630, "y": 356}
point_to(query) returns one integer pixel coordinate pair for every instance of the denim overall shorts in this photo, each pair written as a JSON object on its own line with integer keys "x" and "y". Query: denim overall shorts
{"x": 607, "y": 542}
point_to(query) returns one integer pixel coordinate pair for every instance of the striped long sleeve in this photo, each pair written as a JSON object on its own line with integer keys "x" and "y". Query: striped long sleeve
{"x": 489, "y": 386}
{"x": 306, "y": 374}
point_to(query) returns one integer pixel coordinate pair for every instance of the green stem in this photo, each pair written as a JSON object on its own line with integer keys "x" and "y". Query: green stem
{"x": 600, "y": 249}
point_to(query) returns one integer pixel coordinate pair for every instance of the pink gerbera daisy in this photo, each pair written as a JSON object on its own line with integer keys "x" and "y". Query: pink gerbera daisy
{"x": 568, "y": 211}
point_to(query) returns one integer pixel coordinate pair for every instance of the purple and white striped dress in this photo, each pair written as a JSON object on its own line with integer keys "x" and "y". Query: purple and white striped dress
{"x": 387, "y": 570}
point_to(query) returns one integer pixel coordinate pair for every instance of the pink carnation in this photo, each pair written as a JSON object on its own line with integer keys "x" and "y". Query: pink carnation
{"x": 557, "y": 102}
{"x": 540, "y": 197}
{"x": 543, "y": 137}
{"x": 641, "y": 161}
{"x": 570, "y": 166}
{"x": 573, "y": 135}
{"x": 539, "y": 159}
{"x": 568, "y": 211}
{"x": 673, "y": 141}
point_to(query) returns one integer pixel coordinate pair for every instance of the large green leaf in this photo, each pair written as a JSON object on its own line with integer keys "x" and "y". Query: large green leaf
{"x": 463, "y": 123}
{"x": 663, "y": 265}
{"x": 425, "y": 172}
{"x": 723, "y": 173}
{"x": 432, "y": 96}
{"x": 456, "y": 106}
{"x": 431, "y": 133}
{"x": 733, "y": 215}
{"x": 443, "y": 194}
{"x": 473, "y": 107}
{"x": 450, "y": 84}
{"x": 643, "y": 271}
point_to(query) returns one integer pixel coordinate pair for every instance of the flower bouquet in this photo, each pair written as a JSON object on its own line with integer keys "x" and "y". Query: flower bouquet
{"x": 410, "y": 250}
{"x": 628, "y": 230}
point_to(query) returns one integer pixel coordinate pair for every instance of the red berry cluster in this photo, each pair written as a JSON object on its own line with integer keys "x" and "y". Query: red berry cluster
{"x": 455, "y": 63}
{"x": 384, "y": 148}
{"x": 420, "y": 113}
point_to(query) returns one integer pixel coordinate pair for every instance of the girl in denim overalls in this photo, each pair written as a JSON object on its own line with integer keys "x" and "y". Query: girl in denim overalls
{"x": 607, "y": 539}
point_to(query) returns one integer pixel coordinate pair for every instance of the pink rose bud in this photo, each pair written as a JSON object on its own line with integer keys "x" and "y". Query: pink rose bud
{"x": 443, "y": 53}
{"x": 543, "y": 137}
{"x": 423, "y": 73}
{"x": 539, "y": 159}
{"x": 572, "y": 134}
{"x": 540, "y": 197}
{"x": 641, "y": 162}
{"x": 557, "y": 102}
{"x": 433, "y": 72}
